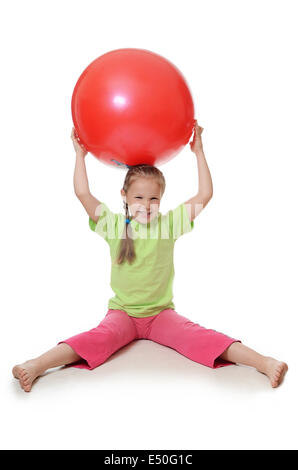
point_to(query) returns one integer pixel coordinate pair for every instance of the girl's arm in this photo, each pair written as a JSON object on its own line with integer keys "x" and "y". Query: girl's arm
{"x": 80, "y": 181}
{"x": 198, "y": 202}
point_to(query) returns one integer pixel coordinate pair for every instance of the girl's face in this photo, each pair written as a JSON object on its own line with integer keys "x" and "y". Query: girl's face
{"x": 143, "y": 199}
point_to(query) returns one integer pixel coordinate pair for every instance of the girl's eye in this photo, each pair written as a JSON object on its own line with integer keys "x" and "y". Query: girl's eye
{"x": 140, "y": 197}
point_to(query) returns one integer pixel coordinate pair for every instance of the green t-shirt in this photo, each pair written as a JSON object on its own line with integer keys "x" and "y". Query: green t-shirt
{"x": 143, "y": 288}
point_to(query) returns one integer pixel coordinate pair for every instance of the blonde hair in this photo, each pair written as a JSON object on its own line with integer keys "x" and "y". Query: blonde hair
{"x": 126, "y": 247}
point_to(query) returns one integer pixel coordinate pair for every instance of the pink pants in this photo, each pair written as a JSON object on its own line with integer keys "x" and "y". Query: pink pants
{"x": 167, "y": 328}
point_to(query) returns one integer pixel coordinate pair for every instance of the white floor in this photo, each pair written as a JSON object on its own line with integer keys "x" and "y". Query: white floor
{"x": 147, "y": 396}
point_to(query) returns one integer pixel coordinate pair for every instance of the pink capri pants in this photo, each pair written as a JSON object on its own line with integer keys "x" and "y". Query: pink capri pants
{"x": 168, "y": 328}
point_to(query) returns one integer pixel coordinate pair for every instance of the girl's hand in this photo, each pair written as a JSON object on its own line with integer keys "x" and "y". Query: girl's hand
{"x": 196, "y": 145}
{"x": 79, "y": 148}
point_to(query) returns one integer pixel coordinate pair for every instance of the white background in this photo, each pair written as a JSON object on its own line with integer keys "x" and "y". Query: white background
{"x": 236, "y": 272}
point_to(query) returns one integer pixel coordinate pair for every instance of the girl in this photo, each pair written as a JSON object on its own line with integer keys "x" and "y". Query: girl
{"x": 141, "y": 244}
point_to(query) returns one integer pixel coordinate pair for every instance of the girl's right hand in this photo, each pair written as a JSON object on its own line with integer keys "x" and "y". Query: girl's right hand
{"x": 79, "y": 148}
{"x": 196, "y": 145}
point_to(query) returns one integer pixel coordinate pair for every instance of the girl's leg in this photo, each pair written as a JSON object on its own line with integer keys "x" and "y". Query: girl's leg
{"x": 210, "y": 347}
{"x": 58, "y": 356}
{"x": 241, "y": 354}
{"x": 85, "y": 350}
{"x": 199, "y": 344}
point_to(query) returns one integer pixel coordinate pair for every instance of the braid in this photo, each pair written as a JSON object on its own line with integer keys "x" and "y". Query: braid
{"x": 127, "y": 217}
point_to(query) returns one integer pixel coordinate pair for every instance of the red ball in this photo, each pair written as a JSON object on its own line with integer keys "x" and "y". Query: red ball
{"x": 132, "y": 106}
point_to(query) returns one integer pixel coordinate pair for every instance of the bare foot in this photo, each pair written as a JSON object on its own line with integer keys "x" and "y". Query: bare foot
{"x": 27, "y": 373}
{"x": 275, "y": 370}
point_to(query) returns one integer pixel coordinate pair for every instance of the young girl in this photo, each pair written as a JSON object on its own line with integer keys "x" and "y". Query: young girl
{"x": 141, "y": 244}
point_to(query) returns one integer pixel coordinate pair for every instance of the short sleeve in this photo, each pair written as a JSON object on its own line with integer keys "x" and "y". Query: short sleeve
{"x": 106, "y": 224}
{"x": 180, "y": 222}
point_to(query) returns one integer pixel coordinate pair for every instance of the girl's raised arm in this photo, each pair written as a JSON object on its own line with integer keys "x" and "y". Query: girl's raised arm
{"x": 80, "y": 181}
{"x": 195, "y": 204}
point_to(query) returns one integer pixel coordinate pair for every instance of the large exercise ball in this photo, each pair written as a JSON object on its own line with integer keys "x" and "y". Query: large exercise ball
{"x": 132, "y": 106}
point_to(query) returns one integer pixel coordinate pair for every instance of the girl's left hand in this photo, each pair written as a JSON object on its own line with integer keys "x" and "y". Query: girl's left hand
{"x": 78, "y": 146}
{"x": 196, "y": 145}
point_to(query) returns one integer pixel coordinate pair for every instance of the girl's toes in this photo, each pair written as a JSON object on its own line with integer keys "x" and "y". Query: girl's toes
{"x": 25, "y": 378}
{"x": 26, "y": 387}
{"x": 274, "y": 381}
{"x": 15, "y": 372}
{"x": 21, "y": 380}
